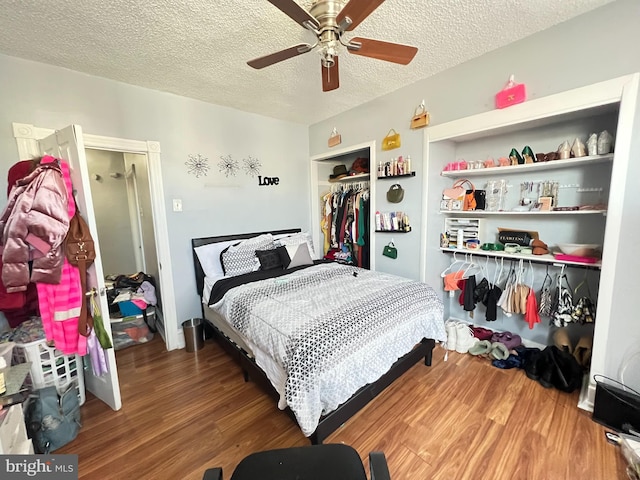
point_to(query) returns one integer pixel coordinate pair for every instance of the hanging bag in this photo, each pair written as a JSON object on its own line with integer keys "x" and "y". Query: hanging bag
{"x": 391, "y": 141}
{"x": 98, "y": 325}
{"x": 390, "y": 251}
{"x": 420, "y": 117}
{"x": 80, "y": 251}
{"x": 511, "y": 94}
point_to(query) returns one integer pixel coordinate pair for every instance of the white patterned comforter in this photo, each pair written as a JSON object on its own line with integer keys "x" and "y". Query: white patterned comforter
{"x": 333, "y": 329}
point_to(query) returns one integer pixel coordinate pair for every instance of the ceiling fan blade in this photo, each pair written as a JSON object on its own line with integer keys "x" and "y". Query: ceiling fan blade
{"x": 330, "y": 76}
{"x": 357, "y": 11}
{"x": 296, "y": 12}
{"x": 290, "y": 52}
{"x": 390, "y": 52}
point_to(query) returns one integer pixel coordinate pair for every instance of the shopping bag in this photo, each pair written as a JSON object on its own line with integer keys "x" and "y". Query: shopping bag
{"x": 391, "y": 141}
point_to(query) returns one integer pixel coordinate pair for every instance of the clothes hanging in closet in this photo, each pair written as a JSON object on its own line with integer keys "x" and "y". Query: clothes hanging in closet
{"x": 345, "y": 225}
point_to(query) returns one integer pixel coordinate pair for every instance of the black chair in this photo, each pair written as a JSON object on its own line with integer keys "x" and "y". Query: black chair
{"x": 314, "y": 462}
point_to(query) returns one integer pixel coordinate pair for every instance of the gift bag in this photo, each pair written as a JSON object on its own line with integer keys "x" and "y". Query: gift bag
{"x": 420, "y": 117}
{"x": 511, "y": 94}
{"x": 391, "y": 141}
{"x": 390, "y": 251}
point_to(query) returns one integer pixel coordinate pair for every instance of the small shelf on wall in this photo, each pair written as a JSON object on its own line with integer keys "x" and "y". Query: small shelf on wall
{"x": 393, "y": 231}
{"x": 476, "y": 213}
{"x": 389, "y": 177}
{"x": 548, "y": 258}
{"x": 529, "y": 167}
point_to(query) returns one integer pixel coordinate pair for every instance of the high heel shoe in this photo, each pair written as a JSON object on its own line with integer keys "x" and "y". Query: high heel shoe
{"x": 578, "y": 149}
{"x": 515, "y": 157}
{"x": 564, "y": 150}
{"x": 528, "y": 156}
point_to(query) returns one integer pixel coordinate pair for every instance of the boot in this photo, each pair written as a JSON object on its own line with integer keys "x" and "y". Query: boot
{"x": 562, "y": 341}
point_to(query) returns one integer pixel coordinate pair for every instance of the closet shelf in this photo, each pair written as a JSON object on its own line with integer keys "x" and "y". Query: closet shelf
{"x": 530, "y": 167}
{"x": 475, "y": 213}
{"x": 388, "y": 177}
{"x": 393, "y": 231}
{"x": 548, "y": 258}
{"x": 352, "y": 178}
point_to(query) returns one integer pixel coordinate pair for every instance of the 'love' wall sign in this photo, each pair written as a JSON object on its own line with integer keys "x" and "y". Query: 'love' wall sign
{"x": 267, "y": 181}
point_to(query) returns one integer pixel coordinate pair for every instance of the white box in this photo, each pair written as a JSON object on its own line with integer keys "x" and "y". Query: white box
{"x": 50, "y": 366}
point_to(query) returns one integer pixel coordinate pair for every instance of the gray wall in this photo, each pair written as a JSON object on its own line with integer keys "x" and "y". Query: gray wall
{"x": 53, "y": 97}
{"x": 112, "y": 211}
{"x": 596, "y": 46}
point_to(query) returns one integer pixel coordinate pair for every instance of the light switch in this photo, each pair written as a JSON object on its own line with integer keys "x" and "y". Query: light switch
{"x": 177, "y": 205}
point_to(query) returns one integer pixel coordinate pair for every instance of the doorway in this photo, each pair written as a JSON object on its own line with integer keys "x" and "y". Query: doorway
{"x": 121, "y": 193}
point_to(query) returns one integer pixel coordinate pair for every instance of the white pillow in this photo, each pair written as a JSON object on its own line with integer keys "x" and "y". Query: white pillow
{"x": 209, "y": 256}
{"x": 295, "y": 255}
{"x": 297, "y": 239}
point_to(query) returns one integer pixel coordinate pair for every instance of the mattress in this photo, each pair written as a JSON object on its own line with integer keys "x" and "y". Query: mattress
{"x": 329, "y": 329}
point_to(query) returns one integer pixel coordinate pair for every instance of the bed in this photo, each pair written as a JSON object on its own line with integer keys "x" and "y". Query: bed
{"x": 322, "y": 338}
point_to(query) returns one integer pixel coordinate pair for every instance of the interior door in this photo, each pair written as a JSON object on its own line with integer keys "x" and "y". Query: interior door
{"x": 67, "y": 144}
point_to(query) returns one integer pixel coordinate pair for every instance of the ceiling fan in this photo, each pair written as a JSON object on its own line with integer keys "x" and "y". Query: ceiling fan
{"x": 329, "y": 20}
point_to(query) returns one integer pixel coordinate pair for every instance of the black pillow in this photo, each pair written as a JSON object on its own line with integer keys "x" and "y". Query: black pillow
{"x": 269, "y": 259}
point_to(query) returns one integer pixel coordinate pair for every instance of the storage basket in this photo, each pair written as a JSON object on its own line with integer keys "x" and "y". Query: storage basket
{"x": 50, "y": 366}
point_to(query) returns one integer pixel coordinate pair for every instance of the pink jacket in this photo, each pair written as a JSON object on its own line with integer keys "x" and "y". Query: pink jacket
{"x": 35, "y": 216}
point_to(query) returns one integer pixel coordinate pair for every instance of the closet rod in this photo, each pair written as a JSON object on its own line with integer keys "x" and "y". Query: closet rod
{"x": 532, "y": 259}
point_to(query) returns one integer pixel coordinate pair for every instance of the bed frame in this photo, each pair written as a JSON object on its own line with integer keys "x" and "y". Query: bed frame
{"x": 333, "y": 420}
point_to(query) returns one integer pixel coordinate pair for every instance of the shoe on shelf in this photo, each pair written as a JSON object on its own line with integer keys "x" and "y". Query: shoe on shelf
{"x": 592, "y": 144}
{"x": 450, "y": 327}
{"x": 605, "y": 143}
{"x": 515, "y": 158}
{"x": 564, "y": 150}
{"x": 464, "y": 338}
{"x": 578, "y": 149}
{"x": 528, "y": 156}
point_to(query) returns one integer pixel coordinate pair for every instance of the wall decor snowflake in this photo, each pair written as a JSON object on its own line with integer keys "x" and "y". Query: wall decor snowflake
{"x": 228, "y": 165}
{"x": 198, "y": 165}
{"x": 251, "y": 166}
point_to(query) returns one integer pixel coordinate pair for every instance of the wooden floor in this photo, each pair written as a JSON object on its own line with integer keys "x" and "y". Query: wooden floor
{"x": 462, "y": 419}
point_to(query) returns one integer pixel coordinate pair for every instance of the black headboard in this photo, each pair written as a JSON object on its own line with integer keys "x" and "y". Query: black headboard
{"x": 197, "y": 242}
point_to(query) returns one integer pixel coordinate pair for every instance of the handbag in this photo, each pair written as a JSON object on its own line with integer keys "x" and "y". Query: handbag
{"x": 458, "y": 197}
{"x": 511, "y": 94}
{"x": 420, "y": 117}
{"x": 391, "y": 141}
{"x": 335, "y": 138}
{"x": 80, "y": 251}
{"x": 53, "y": 420}
{"x": 390, "y": 251}
{"x": 395, "y": 193}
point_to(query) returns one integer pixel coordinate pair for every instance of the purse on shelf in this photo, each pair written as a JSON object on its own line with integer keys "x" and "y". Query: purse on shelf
{"x": 335, "y": 138}
{"x": 511, "y": 94}
{"x": 420, "y": 117}
{"x": 460, "y": 198}
{"x": 391, "y": 141}
{"x": 390, "y": 251}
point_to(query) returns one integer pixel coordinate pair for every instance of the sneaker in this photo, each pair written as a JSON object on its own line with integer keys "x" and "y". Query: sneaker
{"x": 450, "y": 327}
{"x": 464, "y": 338}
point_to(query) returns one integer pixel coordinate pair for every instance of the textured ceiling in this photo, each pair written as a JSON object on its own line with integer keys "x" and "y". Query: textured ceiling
{"x": 199, "y": 48}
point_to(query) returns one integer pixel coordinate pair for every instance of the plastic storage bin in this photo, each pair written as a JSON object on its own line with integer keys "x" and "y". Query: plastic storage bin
{"x": 50, "y": 366}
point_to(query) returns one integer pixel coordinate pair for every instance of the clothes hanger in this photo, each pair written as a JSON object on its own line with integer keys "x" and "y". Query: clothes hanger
{"x": 472, "y": 268}
{"x": 449, "y": 268}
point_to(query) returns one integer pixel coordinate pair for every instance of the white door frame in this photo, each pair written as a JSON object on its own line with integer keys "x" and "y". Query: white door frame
{"x": 27, "y": 137}
{"x": 133, "y": 202}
